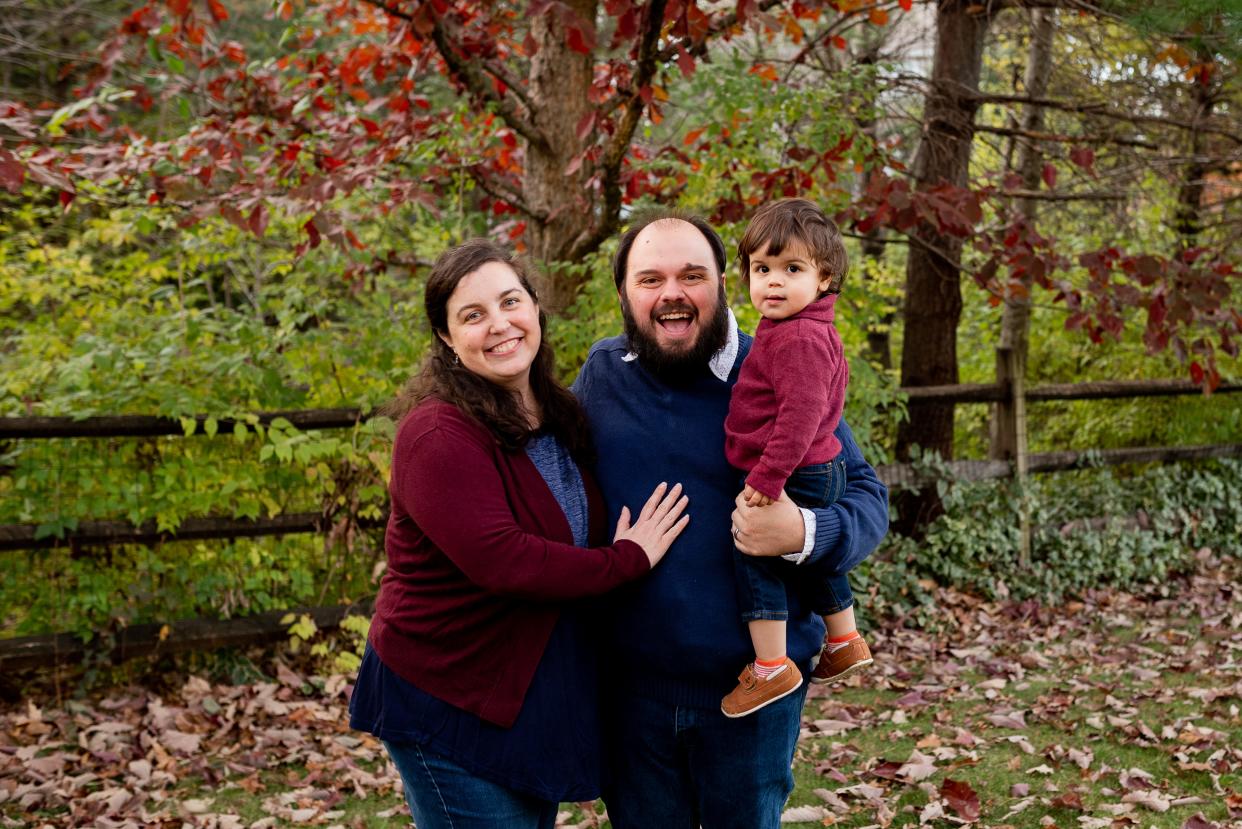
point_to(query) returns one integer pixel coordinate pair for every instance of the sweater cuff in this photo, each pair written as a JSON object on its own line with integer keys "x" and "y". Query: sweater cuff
{"x": 808, "y": 537}
{"x": 767, "y": 481}
{"x": 828, "y": 534}
{"x": 635, "y": 550}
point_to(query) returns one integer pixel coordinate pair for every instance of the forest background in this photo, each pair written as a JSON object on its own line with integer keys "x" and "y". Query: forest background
{"x": 212, "y": 209}
{"x": 215, "y": 208}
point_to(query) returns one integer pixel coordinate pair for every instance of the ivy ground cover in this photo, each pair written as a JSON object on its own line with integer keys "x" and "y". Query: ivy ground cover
{"x": 1119, "y": 710}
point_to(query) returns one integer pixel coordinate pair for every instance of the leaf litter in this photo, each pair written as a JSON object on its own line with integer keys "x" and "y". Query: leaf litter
{"x": 1113, "y": 711}
{"x": 119, "y": 761}
{"x": 1140, "y": 695}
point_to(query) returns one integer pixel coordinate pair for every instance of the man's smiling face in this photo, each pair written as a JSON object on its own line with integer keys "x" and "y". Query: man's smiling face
{"x": 673, "y": 297}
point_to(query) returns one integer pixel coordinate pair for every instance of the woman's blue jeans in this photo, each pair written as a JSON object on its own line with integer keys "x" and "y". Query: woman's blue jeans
{"x": 762, "y": 582}
{"x": 443, "y": 795}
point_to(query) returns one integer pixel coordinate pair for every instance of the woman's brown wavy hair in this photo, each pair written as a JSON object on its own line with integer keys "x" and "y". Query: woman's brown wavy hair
{"x": 493, "y": 406}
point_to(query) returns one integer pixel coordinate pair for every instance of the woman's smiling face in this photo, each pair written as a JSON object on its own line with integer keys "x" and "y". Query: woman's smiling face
{"x": 493, "y": 326}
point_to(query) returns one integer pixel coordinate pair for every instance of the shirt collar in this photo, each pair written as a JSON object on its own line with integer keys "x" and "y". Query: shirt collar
{"x": 721, "y": 363}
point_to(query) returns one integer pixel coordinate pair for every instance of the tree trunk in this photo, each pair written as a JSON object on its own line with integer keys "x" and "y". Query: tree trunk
{"x": 1015, "y": 319}
{"x": 1190, "y": 196}
{"x": 879, "y": 347}
{"x": 879, "y": 344}
{"x": 933, "y": 303}
{"x": 560, "y": 80}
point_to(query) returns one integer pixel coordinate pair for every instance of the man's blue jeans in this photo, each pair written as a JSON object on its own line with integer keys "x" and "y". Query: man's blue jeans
{"x": 443, "y": 795}
{"x": 678, "y": 767}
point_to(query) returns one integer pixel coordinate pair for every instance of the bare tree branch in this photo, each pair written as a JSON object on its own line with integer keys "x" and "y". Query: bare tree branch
{"x": 879, "y": 240}
{"x": 994, "y": 6}
{"x": 1066, "y": 139}
{"x": 614, "y": 153}
{"x": 475, "y": 79}
{"x": 1054, "y": 195}
{"x": 497, "y": 189}
{"x": 46, "y": 46}
{"x": 511, "y": 81}
{"x": 1102, "y": 109}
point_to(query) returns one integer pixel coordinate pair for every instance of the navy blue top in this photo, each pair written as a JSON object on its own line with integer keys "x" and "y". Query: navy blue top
{"x": 552, "y": 751}
{"x": 677, "y": 635}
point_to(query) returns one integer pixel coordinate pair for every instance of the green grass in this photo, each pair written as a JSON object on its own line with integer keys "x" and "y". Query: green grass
{"x": 997, "y": 764}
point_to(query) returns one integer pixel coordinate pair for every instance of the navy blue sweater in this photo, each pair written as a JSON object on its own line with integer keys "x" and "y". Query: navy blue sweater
{"x": 681, "y": 622}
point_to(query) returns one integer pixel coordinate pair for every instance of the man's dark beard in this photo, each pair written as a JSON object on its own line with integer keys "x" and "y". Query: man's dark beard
{"x": 679, "y": 366}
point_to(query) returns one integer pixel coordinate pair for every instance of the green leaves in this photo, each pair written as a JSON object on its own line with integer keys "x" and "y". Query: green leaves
{"x": 1113, "y": 530}
{"x": 116, "y": 319}
{"x": 106, "y": 95}
{"x": 745, "y": 139}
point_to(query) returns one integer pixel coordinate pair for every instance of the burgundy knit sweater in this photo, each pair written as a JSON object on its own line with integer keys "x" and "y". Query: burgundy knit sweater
{"x": 788, "y": 398}
{"x": 480, "y": 558}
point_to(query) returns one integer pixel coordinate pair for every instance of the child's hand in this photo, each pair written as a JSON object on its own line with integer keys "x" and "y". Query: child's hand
{"x": 755, "y": 498}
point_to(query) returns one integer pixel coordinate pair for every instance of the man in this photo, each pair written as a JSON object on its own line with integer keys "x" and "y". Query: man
{"x": 656, "y": 399}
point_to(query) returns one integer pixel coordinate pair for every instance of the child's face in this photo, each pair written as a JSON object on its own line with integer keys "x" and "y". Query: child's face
{"x": 782, "y": 285}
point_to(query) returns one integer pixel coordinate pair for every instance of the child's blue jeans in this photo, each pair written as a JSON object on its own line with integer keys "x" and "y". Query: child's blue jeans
{"x": 762, "y": 582}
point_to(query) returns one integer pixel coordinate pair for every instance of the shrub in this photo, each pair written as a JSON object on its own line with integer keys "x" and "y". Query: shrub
{"x": 1092, "y": 528}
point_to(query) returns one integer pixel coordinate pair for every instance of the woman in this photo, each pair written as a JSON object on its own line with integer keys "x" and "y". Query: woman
{"x": 478, "y": 675}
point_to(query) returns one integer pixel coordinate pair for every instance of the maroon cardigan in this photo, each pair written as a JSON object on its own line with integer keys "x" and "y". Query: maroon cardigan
{"x": 480, "y": 557}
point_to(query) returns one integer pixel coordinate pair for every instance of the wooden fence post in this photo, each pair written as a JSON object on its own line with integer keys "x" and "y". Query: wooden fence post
{"x": 1009, "y": 439}
{"x": 1004, "y": 431}
{"x": 1017, "y": 401}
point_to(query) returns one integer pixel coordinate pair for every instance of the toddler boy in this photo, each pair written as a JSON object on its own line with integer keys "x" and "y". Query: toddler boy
{"x": 785, "y": 406}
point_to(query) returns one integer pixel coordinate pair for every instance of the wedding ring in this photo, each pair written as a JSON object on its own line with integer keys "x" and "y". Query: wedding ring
{"x": 735, "y": 532}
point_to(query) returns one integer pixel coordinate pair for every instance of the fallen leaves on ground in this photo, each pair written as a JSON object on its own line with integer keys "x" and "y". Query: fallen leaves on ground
{"x": 117, "y": 761}
{"x": 1019, "y": 701}
{"x": 1040, "y": 699}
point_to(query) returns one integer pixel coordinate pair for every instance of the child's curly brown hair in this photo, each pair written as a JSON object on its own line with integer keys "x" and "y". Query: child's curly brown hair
{"x": 778, "y": 223}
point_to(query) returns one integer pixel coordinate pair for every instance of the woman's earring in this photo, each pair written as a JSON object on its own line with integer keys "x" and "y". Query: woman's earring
{"x": 456, "y": 359}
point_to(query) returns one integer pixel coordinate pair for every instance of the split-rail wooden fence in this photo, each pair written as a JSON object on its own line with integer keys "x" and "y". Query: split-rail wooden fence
{"x": 1009, "y": 451}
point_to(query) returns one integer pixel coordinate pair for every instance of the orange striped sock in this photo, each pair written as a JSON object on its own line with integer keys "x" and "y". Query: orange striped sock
{"x": 765, "y": 668}
{"x": 835, "y": 643}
